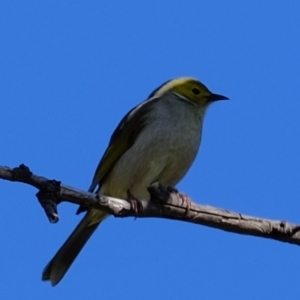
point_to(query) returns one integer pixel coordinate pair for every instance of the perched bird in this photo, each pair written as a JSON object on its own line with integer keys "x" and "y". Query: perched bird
{"x": 157, "y": 140}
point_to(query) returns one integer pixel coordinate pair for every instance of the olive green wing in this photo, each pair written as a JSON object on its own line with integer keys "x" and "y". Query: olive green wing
{"x": 122, "y": 139}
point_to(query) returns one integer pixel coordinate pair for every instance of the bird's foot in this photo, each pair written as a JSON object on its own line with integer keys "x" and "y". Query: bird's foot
{"x": 168, "y": 194}
{"x": 136, "y": 204}
{"x": 187, "y": 201}
{"x": 184, "y": 198}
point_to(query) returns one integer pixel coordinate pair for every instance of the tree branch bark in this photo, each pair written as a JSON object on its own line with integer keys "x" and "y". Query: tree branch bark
{"x": 164, "y": 203}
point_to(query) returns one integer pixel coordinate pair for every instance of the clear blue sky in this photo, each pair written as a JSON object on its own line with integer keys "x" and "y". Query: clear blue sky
{"x": 71, "y": 69}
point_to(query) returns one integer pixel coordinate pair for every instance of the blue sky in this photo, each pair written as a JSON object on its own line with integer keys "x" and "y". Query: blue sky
{"x": 71, "y": 69}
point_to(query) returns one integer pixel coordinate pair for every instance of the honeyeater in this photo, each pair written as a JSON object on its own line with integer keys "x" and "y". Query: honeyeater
{"x": 157, "y": 140}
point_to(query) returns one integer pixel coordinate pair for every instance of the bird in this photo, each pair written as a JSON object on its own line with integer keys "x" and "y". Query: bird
{"x": 156, "y": 141}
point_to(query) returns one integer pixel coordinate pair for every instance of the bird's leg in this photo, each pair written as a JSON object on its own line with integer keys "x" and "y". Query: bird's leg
{"x": 136, "y": 204}
{"x": 185, "y": 200}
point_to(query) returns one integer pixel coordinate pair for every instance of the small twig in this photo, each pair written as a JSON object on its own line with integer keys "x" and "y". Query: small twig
{"x": 164, "y": 203}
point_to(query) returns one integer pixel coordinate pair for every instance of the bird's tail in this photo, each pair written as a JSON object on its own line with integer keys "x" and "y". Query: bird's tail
{"x": 61, "y": 262}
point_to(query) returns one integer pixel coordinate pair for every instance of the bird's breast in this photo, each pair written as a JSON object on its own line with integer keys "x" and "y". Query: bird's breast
{"x": 163, "y": 151}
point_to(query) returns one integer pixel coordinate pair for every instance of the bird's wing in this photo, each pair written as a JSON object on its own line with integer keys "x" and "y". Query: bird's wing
{"x": 122, "y": 139}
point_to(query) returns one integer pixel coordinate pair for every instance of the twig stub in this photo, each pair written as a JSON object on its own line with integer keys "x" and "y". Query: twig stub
{"x": 49, "y": 196}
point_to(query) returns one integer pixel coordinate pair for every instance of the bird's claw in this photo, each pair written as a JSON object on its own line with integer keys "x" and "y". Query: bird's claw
{"x": 135, "y": 203}
{"x": 185, "y": 200}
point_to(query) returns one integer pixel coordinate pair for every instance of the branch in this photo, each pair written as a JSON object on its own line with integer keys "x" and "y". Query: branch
{"x": 164, "y": 203}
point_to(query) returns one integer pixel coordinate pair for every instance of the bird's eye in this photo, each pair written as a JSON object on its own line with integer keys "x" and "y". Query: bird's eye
{"x": 196, "y": 91}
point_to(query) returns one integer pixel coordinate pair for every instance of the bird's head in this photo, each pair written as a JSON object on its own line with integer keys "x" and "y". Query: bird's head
{"x": 190, "y": 90}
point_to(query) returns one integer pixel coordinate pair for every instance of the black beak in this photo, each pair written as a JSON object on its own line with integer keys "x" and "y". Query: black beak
{"x": 216, "y": 97}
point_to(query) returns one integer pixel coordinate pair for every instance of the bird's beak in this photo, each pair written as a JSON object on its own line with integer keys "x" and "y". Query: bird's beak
{"x": 216, "y": 97}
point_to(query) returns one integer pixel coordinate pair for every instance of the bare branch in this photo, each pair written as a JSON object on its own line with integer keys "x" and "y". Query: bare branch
{"x": 165, "y": 203}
